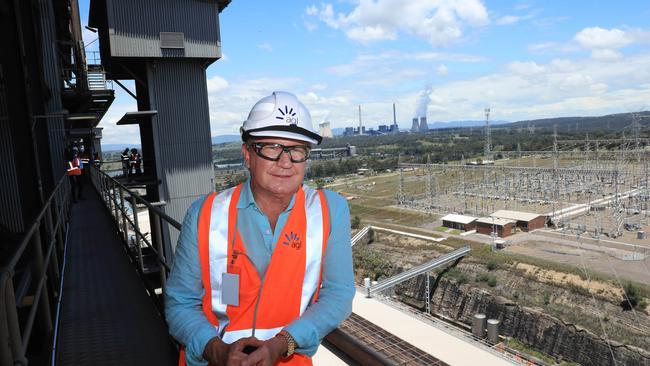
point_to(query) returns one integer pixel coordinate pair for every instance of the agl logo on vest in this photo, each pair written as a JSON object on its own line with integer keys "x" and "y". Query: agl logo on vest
{"x": 293, "y": 240}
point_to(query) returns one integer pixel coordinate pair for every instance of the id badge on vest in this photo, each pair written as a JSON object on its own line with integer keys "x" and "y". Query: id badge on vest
{"x": 230, "y": 287}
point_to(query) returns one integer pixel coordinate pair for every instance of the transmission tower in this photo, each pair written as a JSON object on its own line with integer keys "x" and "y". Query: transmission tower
{"x": 556, "y": 183}
{"x": 400, "y": 187}
{"x": 429, "y": 198}
{"x": 462, "y": 178}
{"x": 488, "y": 138}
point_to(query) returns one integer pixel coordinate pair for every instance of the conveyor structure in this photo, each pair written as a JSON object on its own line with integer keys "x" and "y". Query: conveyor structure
{"x": 360, "y": 235}
{"x": 418, "y": 270}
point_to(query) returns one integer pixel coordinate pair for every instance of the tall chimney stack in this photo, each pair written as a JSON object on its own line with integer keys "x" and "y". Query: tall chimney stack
{"x": 360, "y": 123}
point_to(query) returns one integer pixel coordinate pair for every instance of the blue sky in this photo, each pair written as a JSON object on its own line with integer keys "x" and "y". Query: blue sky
{"x": 523, "y": 59}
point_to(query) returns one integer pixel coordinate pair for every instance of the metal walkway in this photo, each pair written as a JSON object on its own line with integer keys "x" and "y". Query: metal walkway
{"x": 106, "y": 316}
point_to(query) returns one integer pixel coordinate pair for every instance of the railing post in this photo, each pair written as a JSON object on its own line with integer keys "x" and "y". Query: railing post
{"x": 136, "y": 229}
{"x": 125, "y": 228}
{"x": 107, "y": 194}
{"x": 54, "y": 262}
{"x": 10, "y": 339}
{"x": 38, "y": 271}
{"x": 114, "y": 203}
{"x": 157, "y": 240}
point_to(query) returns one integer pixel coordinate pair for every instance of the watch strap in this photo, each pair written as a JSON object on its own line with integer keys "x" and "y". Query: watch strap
{"x": 291, "y": 343}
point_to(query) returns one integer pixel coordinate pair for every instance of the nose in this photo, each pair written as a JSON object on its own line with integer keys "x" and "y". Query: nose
{"x": 285, "y": 160}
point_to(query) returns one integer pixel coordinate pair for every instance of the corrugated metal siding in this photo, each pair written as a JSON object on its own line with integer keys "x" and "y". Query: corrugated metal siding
{"x": 51, "y": 68}
{"x": 135, "y": 27}
{"x": 178, "y": 91}
{"x": 10, "y": 214}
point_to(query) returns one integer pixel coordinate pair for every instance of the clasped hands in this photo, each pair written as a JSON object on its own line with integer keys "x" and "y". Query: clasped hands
{"x": 266, "y": 353}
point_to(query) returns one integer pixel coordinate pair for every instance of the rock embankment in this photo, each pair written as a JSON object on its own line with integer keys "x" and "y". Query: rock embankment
{"x": 531, "y": 326}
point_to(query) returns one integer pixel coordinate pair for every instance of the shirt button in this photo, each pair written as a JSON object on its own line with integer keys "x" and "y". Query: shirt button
{"x": 268, "y": 232}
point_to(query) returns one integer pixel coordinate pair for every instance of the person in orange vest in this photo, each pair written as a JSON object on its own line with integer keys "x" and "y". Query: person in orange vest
{"x": 74, "y": 168}
{"x": 135, "y": 160}
{"x": 263, "y": 271}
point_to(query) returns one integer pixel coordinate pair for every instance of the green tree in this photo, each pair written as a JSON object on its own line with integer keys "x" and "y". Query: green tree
{"x": 631, "y": 297}
{"x": 356, "y": 222}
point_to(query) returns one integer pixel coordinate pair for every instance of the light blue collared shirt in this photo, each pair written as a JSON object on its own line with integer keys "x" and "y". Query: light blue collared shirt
{"x": 184, "y": 291}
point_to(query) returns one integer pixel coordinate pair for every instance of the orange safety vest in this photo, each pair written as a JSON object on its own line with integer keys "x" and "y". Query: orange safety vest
{"x": 293, "y": 276}
{"x": 73, "y": 167}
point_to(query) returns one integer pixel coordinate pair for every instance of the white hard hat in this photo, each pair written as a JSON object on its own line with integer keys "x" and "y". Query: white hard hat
{"x": 280, "y": 114}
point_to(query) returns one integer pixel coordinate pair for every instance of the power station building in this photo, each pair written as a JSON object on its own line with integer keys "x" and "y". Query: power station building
{"x": 460, "y": 222}
{"x": 525, "y": 221}
{"x": 489, "y": 225}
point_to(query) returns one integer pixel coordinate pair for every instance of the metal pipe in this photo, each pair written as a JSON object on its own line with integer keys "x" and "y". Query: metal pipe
{"x": 354, "y": 349}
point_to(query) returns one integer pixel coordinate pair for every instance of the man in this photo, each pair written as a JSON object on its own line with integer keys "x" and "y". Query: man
{"x": 74, "y": 169}
{"x": 263, "y": 271}
{"x": 135, "y": 160}
{"x": 125, "y": 162}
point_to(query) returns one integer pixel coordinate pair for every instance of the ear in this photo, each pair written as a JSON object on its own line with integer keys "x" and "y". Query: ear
{"x": 247, "y": 155}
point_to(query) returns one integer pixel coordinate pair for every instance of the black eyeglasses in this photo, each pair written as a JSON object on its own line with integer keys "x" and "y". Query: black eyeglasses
{"x": 273, "y": 152}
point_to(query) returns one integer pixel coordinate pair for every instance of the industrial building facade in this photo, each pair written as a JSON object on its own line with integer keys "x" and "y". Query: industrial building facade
{"x": 502, "y": 227}
{"x": 459, "y": 222}
{"x": 525, "y": 221}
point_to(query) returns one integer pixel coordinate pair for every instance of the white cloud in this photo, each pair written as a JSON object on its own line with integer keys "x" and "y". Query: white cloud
{"x": 512, "y": 19}
{"x": 604, "y": 43}
{"x": 311, "y": 10}
{"x": 442, "y": 70}
{"x": 369, "y": 63}
{"x": 114, "y": 134}
{"x": 230, "y": 101}
{"x": 560, "y": 87}
{"x": 606, "y": 54}
{"x": 216, "y": 84}
{"x": 265, "y": 46}
{"x": 508, "y": 19}
{"x": 528, "y": 68}
{"x": 310, "y": 26}
{"x": 319, "y": 86}
{"x": 599, "y": 38}
{"x": 438, "y": 22}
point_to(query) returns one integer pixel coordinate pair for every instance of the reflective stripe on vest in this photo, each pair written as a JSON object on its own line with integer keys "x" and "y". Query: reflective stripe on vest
{"x": 292, "y": 278}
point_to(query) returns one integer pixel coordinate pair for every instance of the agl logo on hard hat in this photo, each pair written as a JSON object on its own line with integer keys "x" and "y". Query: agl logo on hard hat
{"x": 288, "y": 115}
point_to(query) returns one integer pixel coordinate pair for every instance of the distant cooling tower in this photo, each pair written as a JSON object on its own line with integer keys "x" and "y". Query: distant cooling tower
{"x": 423, "y": 124}
{"x": 416, "y": 126}
{"x": 325, "y": 130}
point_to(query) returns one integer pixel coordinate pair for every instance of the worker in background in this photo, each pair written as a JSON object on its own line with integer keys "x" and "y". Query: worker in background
{"x": 97, "y": 160}
{"x": 74, "y": 174}
{"x": 263, "y": 271}
{"x": 126, "y": 165}
{"x": 85, "y": 158}
{"x": 135, "y": 160}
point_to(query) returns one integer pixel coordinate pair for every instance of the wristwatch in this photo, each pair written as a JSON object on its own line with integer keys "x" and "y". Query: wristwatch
{"x": 291, "y": 343}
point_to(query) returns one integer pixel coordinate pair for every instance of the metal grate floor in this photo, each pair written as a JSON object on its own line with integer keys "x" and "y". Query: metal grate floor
{"x": 396, "y": 350}
{"x": 106, "y": 316}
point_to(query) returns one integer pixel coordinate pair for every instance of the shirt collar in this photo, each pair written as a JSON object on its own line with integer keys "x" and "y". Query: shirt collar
{"x": 246, "y": 198}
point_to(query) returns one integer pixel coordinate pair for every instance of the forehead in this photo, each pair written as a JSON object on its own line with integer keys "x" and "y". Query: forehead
{"x": 281, "y": 141}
